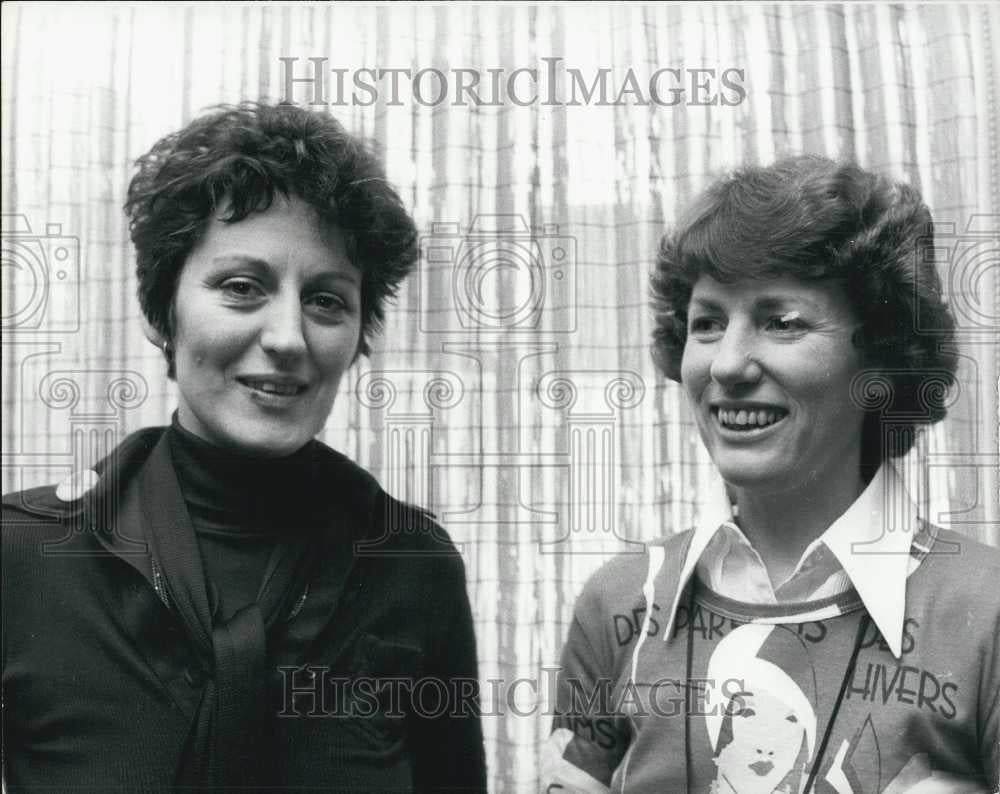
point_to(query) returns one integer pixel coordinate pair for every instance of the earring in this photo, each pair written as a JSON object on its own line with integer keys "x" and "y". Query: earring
{"x": 166, "y": 348}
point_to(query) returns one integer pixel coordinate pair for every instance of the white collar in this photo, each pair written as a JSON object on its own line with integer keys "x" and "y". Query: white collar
{"x": 871, "y": 541}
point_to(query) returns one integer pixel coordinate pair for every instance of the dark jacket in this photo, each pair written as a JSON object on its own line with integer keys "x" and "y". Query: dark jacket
{"x": 100, "y": 684}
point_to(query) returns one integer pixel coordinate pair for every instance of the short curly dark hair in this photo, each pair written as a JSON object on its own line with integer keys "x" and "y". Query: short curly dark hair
{"x": 236, "y": 158}
{"x": 813, "y": 218}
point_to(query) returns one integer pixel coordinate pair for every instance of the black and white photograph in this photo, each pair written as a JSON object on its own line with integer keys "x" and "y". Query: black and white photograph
{"x": 543, "y": 398}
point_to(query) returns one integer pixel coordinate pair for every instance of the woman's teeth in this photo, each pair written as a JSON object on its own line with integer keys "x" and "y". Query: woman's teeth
{"x": 274, "y": 388}
{"x": 749, "y": 419}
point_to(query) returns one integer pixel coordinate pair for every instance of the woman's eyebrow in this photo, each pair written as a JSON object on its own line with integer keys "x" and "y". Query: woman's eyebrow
{"x": 705, "y": 303}
{"x": 337, "y": 275}
{"x": 776, "y": 302}
{"x": 239, "y": 259}
{"x": 322, "y": 274}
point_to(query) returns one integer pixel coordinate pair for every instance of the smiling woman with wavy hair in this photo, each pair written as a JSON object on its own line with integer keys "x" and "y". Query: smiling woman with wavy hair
{"x": 813, "y": 633}
{"x": 819, "y": 220}
{"x": 213, "y": 625}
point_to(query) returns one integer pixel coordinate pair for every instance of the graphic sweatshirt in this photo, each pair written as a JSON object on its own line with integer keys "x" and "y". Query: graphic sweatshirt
{"x": 700, "y": 693}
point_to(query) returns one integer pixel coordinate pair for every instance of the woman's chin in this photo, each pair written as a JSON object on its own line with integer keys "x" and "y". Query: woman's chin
{"x": 755, "y": 474}
{"x": 273, "y": 448}
{"x": 262, "y": 442}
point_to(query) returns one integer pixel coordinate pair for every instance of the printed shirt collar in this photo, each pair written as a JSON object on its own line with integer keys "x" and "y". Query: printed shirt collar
{"x": 871, "y": 541}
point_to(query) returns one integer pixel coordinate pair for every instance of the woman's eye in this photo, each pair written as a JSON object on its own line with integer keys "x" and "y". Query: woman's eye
{"x": 786, "y": 323}
{"x": 328, "y": 303}
{"x": 240, "y": 288}
{"x": 701, "y": 326}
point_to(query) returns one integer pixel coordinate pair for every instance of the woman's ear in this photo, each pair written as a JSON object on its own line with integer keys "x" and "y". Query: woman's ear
{"x": 362, "y": 348}
{"x": 668, "y": 365}
{"x": 164, "y": 345}
{"x": 152, "y": 334}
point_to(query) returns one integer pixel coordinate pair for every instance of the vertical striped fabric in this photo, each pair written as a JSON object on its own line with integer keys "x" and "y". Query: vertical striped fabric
{"x": 520, "y": 402}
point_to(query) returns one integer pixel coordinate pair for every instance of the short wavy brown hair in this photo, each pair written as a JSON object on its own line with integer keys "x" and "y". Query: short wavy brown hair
{"x": 238, "y": 157}
{"x": 813, "y": 218}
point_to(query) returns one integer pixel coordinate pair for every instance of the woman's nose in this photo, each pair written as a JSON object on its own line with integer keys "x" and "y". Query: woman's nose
{"x": 735, "y": 358}
{"x": 282, "y": 334}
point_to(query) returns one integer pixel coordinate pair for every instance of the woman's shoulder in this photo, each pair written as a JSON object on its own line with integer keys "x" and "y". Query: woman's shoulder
{"x": 952, "y": 591}
{"x": 31, "y": 518}
{"x": 57, "y": 515}
{"x": 390, "y": 526}
{"x": 55, "y": 502}
{"x": 955, "y": 551}
{"x": 619, "y": 581}
{"x": 383, "y": 523}
{"x": 958, "y": 566}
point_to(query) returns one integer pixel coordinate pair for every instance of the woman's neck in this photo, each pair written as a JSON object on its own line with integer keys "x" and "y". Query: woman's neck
{"x": 782, "y": 523}
{"x": 224, "y": 486}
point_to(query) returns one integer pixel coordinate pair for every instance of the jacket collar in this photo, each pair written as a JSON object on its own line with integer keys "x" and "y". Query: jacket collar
{"x": 871, "y": 541}
{"x": 99, "y": 500}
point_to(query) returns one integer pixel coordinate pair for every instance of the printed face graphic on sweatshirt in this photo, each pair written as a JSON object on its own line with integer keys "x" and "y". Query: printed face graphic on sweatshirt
{"x": 765, "y": 741}
{"x": 765, "y": 735}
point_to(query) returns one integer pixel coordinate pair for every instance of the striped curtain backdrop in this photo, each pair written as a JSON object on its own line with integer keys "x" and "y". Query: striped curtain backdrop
{"x": 513, "y": 392}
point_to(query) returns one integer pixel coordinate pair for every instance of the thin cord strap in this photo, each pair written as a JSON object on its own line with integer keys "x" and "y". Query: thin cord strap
{"x": 689, "y": 666}
{"x": 848, "y": 677}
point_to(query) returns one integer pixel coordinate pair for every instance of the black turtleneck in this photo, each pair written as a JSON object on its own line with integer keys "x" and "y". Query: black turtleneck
{"x": 240, "y": 505}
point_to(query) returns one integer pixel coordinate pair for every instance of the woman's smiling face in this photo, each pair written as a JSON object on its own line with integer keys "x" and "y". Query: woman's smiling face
{"x": 267, "y": 320}
{"x": 767, "y": 368}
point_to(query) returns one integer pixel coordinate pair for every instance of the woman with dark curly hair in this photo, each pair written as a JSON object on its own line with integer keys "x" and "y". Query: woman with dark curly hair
{"x": 812, "y": 634}
{"x": 240, "y": 607}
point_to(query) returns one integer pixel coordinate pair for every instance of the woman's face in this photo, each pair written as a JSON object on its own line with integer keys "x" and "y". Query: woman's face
{"x": 767, "y": 739}
{"x": 267, "y": 319}
{"x": 767, "y": 368}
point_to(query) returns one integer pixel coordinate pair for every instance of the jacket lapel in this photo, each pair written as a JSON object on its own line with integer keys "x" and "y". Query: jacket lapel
{"x": 138, "y": 489}
{"x": 347, "y": 520}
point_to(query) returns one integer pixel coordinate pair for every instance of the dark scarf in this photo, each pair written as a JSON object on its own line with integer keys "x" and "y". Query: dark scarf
{"x": 229, "y": 733}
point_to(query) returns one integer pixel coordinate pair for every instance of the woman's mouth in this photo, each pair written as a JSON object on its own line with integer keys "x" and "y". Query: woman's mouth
{"x": 270, "y": 392}
{"x": 748, "y": 422}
